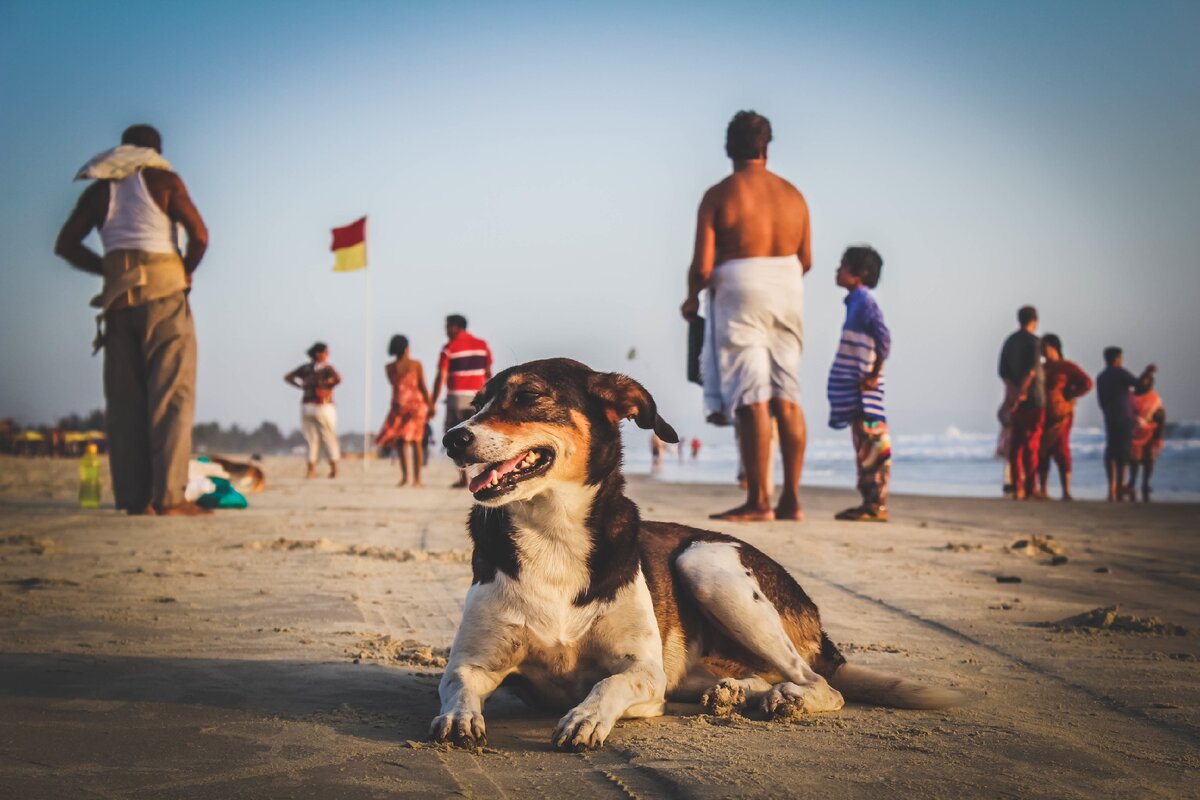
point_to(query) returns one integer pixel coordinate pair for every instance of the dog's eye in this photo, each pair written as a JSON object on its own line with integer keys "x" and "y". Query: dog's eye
{"x": 526, "y": 397}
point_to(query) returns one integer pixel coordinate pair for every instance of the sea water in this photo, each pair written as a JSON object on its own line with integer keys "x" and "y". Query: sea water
{"x": 952, "y": 463}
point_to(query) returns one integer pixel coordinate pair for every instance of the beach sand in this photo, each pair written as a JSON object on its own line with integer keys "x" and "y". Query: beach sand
{"x": 292, "y": 650}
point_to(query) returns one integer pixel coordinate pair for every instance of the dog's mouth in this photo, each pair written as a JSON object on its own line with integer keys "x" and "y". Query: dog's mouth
{"x": 502, "y": 477}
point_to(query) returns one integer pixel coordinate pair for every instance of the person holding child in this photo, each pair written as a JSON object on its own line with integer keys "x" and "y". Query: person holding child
{"x": 856, "y": 383}
{"x": 1114, "y": 390}
{"x": 1149, "y": 427}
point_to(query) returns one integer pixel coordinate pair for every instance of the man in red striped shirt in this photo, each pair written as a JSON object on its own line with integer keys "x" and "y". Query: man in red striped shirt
{"x": 464, "y": 366}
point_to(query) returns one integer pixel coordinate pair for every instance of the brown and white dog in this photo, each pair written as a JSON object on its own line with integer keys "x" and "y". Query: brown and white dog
{"x": 578, "y": 604}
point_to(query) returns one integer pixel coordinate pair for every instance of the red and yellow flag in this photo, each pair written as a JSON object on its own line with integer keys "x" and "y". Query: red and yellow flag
{"x": 350, "y": 246}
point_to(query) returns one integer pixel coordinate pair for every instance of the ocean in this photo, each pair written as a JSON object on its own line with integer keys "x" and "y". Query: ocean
{"x": 952, "y": 463}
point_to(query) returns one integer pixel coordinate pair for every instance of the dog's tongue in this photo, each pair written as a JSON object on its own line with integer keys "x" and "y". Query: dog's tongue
{"x": 499, "y": 471}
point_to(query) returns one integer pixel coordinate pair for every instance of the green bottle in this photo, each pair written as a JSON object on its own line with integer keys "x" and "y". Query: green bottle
{"x": 89, "y": 478}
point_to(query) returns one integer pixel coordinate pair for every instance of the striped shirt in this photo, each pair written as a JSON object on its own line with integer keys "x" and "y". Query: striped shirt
{"x": 865, "y": 338}
{"x": 466, "y": 360}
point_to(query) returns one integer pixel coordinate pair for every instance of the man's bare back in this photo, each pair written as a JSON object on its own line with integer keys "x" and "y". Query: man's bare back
{"x": 754, "y": 212}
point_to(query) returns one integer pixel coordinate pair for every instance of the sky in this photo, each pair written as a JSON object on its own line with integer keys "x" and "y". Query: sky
{"x": 537, "y": 167}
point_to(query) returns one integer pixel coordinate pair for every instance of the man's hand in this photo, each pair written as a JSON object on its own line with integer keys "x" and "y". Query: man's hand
{"x": 690, "y": 308}
{"x": 869, "y": 382}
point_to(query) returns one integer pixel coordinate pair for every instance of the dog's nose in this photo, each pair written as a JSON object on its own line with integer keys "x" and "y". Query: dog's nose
{"x": 456, "y": 441}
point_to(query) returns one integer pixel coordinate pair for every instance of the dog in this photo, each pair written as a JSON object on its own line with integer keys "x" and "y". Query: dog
{"x": 579, "y": 605}
{"x": 247, "y": 478}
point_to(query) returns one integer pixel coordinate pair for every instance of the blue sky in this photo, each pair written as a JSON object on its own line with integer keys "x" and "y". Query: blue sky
{"x": 537, "y": 168}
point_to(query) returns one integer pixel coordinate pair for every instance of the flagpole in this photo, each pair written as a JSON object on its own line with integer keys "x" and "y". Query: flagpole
{"x": 367, "y": 367}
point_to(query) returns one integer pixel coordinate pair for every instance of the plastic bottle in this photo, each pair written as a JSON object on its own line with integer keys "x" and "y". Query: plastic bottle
{"x": 89, "y": 478}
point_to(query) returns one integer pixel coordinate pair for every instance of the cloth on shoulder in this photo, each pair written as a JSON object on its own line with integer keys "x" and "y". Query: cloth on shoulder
{"x": 121, "y": 162}
{"x": 755, "y": 334}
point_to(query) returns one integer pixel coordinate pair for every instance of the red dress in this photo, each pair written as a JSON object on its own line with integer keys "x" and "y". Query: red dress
{"x": 406, "y": 419}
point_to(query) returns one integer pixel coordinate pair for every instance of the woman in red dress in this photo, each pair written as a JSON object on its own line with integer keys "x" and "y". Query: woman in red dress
{"x": 405, "y": 424}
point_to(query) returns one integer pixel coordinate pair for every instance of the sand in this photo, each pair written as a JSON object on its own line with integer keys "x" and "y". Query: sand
{"x": 293, "y": 650}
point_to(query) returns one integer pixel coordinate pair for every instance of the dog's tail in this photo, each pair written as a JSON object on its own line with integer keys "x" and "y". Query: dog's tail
{"x": 864, "y": 685}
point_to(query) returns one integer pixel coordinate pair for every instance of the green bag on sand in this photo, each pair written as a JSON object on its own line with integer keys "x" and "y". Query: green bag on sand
{"x": 224, "y": 496}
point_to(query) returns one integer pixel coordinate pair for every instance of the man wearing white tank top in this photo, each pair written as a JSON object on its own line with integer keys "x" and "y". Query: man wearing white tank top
{"x": 753, "y": 248}
{"x": 148, "y": 337}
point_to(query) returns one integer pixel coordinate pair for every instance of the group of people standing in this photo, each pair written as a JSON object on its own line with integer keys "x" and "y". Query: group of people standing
{"x": 753, "y": 248}
{"x": 464, "y": 365}
{"x": 1042, "y": 388}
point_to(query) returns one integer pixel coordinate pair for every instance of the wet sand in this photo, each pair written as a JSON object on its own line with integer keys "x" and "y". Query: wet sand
{"x": 207, "y": 658}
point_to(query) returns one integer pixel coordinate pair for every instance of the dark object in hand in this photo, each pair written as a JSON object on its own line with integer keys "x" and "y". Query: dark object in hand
{"x": 695, "y": 347}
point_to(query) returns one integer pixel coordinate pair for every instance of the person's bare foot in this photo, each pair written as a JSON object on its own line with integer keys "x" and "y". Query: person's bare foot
{"x": 461, "y": 484}
{"x": 418, "y": 485}
{"x": 333, "y": 470}
{"x": 789, "y": 511}
{"x": 403, "y": 482}
{"x": 148, "y": 511}
{"x": 746, "y": 513}
{"x": 1067, "y": 498}
{"x": 312, "y": 471}
{"x": 184, "y": 509}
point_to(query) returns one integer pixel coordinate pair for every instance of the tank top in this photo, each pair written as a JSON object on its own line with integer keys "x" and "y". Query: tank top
{"x": 134, "y": 220}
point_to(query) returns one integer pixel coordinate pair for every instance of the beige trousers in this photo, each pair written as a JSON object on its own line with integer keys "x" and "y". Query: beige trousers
{"x": 150, "y": 397}
{"x": 319, "y": 423}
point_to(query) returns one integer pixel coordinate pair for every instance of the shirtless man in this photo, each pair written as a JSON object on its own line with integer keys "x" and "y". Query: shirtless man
{"x": 754, "y": 245}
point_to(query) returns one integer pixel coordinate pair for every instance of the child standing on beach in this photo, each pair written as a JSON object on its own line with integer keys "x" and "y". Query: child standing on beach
{"x": 856, "y": 383}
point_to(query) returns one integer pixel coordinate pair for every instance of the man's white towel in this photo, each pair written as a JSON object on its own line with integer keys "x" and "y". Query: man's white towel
{"x": 120, "y": 162}
{"x": 755, "y": 333}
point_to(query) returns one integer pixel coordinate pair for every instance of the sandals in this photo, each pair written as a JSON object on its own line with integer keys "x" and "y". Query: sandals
{"x": 862, "y": 514}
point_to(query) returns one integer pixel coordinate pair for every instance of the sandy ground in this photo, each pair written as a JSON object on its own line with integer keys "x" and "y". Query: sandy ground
{"x": 206, "y": 658}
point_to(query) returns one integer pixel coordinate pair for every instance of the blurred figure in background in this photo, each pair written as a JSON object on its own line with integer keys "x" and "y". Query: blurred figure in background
{"x": 149, "y": 339}
{"x": 1066, "y": 382}
{"x": 318, "y": 415}
{"x": 754, "y": 245}
{"x": 464, "y": 366}
{"x": 1149, "y": 427}
{"x": 856, "y": 383}
{"x": 404, "y": 427}
{"x": 1024, "y": 402}
{"x": 1114, "y": 390}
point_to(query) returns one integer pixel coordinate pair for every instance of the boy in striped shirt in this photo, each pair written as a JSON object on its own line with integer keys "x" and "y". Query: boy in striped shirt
{"x": 856, "y": 383}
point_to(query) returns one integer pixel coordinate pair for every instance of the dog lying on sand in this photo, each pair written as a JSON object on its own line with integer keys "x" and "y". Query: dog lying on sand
{"x": 579, "y": 605}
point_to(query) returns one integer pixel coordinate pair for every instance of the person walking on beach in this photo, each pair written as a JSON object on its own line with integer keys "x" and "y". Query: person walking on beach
{"x": 1024, "y": 402}
{"x": 856, "y": 383}
{"x": 1114, "y": 390}
{"x": 753, "y": 247}
{"x": 1066, "y": 382}
{"x": 318, "y": 415}
{"x": 405, "y": 423}
{"x": 1149, "y": 428}
{"x": 464, "y": 366}
{"x": 148, "y": 337}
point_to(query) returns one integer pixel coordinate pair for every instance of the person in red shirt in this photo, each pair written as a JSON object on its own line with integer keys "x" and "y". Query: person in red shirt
{"x": 1065, "y": 384}
{"x": 464, "y": 366}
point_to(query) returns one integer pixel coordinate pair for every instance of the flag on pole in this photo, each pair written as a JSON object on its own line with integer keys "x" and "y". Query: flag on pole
{"x": 350, "y": 246}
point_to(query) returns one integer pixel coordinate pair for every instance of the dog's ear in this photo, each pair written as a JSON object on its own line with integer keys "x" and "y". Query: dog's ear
{"x": 625, "y": 398}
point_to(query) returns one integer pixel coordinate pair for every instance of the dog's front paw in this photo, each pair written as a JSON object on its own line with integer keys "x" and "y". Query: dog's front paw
{"x": 581, "y": 730}
{"x": 726, "y": 697}
{"x": 460, "y": 728}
